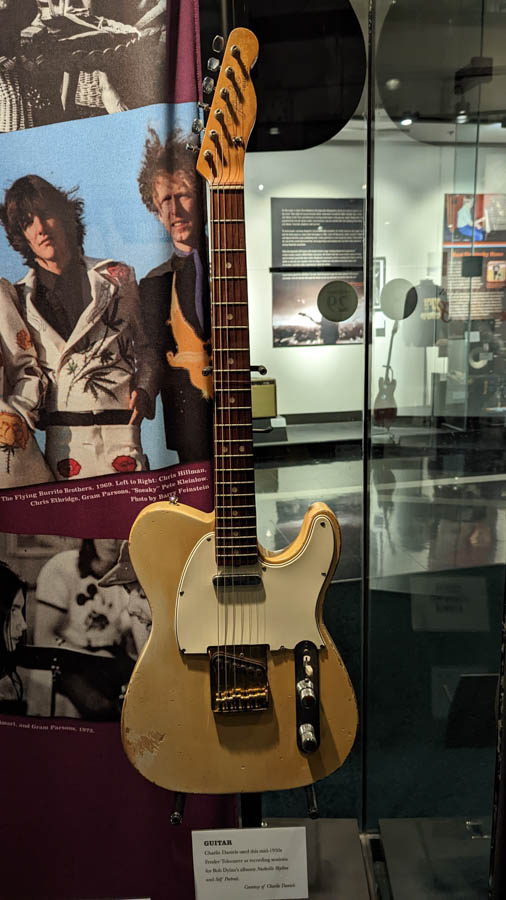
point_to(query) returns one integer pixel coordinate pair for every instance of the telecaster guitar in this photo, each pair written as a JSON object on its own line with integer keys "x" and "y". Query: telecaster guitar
{"x": 239, "y": 687}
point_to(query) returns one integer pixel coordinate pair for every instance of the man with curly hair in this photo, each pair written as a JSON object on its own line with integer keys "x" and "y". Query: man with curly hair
{"x": 175, "y": 296}
{"x": 84, "y": 321}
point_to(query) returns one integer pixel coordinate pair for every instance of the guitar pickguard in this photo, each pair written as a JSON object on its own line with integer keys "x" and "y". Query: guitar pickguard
{"x": 208, "y": 614}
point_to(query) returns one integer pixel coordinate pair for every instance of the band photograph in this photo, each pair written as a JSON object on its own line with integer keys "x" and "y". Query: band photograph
{"x": 104, "y": 306}
{"x": 73, "y": 622}
{"x": 61, "y": 60}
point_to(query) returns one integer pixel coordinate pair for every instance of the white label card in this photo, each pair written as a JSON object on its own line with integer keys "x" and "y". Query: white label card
{"x": 250, "y": 862}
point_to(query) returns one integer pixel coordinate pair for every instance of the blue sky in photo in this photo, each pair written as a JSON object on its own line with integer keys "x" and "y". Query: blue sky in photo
{"x": 101, "y": 157}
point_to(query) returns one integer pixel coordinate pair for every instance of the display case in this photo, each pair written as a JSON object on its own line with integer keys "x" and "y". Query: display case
{"x": 395, "y": 413}
{"x": 375, "y": 239}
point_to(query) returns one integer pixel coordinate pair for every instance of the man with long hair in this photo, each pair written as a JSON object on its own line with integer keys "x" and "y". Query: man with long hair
{"x": 84, "y": 321}
{"x": 175, "y": 298}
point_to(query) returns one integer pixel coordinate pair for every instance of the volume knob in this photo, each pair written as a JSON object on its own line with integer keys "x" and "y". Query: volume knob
{"x": 308, "y": 738}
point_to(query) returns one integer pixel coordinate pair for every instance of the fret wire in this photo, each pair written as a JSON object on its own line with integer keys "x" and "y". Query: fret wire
{"x": 242, "y": 527}
{"x": 237, "y": 496}
{"x": 239, "y": 455}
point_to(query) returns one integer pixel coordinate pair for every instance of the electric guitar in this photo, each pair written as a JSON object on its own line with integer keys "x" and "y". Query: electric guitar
{"x": 385, "y": 407}
{"x": 239, "y": 687}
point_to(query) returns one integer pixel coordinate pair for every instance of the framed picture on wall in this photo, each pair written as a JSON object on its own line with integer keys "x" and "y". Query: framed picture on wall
{"x": 379, "y": 268}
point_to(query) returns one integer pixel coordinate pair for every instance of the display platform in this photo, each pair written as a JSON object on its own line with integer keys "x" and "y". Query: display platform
{"x": 432, "y": 858}
{"x": 336, "y": 868}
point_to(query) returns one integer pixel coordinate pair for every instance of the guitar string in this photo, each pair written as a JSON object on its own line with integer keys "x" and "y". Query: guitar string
{"x": 224, "y": 391}
{"x": 230, "y": 541}
{"x": 215, "y": 242}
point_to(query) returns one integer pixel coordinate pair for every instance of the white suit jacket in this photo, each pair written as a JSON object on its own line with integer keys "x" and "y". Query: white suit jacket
{"x": 107, "y": 355}
{"x": 21, "y": 378}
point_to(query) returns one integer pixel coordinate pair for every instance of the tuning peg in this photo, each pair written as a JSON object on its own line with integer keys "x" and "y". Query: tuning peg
{"x": 197, "y": 126}
{"x": 204, "y": 107}
{"x": 208, "y": 85}
{"x": 218, "y": 44}
{"x": 213, "y": 64}
{"x": 192, "y": 148}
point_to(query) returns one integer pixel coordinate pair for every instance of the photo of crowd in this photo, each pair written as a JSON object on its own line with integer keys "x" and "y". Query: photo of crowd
{"x": 63, "y": 60}
{"x": 298, "y": 322}
{"x": 73, "y": 620}
{"x": 85, "y": 347}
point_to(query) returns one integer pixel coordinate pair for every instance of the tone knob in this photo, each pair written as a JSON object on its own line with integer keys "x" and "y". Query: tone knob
{"x": 308, "y": 738}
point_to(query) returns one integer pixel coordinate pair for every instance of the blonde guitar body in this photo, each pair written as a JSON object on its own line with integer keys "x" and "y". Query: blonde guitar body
{"x": 169, "y": 731}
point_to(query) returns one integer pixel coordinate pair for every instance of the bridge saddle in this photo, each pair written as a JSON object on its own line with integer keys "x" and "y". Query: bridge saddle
{"x": 238, "y": 679}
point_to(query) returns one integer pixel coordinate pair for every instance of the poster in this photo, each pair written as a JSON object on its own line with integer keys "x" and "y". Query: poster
{"x": 315, "y": 242}
{"x": 104, "y": 332}
{"x": 475, "y": 226}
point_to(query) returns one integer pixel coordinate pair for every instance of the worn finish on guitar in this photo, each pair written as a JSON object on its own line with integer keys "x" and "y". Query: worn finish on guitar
{"x": 212, "y": 705}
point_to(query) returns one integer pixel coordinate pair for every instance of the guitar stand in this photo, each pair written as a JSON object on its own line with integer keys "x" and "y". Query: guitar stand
{"x": 176, "y": 817}
{"x": 250, "y": 807}
{"x": 312, "y": 802}
{"x": 251, "y": 810}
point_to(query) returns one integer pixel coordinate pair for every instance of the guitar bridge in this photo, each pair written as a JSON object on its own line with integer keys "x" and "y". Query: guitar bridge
{"x": 238, "y": 679}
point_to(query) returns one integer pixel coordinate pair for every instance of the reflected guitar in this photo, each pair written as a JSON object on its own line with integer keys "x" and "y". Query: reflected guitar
{"x": 385, "y": 407}
{"x": 239, "y": 687}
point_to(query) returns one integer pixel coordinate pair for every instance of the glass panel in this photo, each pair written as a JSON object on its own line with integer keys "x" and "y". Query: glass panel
{"x": 438, "y": 415}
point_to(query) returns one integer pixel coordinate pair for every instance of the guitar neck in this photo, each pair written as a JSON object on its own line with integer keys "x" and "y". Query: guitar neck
{"x": 236, "y": 540}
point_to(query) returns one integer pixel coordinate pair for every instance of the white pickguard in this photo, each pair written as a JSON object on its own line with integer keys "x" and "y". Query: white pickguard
{"x": 279, "y": 612}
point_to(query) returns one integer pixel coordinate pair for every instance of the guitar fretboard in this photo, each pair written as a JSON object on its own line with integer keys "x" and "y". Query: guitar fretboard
{"x": 236, "y": 540}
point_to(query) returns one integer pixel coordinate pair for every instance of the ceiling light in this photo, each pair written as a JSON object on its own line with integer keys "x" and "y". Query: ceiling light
{"x": 406, "y": 120}
{"x": 462, "y": 111}
{"x": 260, "y": 187}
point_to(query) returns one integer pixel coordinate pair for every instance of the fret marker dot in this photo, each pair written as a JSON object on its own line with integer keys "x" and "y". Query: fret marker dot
{"x": 230, "y": 362}
{"x": 229, "y": 265}
{"x": 235, "y": 512}
{"x": 234, "y": 490}
{"x": 235, "y": 534}
{"x": 232, "y": 399}
{"x": 242, "y": 448}
{"x": 225, "y": 449}
{"x": 230, "y": 317}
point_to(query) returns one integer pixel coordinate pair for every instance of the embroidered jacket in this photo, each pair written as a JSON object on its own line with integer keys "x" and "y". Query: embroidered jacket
{"x": 21, "y": 379}
{"x": 106, "y": 356}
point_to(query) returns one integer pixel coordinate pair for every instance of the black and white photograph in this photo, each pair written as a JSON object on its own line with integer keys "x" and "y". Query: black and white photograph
{"x": 297, "y": 320}
{"x": 73, "y": 621}
{"x": 61, "y": 60}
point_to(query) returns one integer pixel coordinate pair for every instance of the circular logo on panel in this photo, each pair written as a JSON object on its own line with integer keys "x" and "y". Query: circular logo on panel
{"x": 337, "y": 301}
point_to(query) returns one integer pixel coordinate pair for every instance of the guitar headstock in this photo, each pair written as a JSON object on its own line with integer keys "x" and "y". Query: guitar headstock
{"x": 232, "y": 113}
